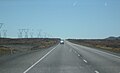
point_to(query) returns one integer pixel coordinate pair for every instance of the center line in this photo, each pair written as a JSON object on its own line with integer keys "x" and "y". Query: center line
{"x": 85, "y": 60}
{"x": 78, "y": 55}
{"x": 96, "y": 71}
{"x": 38, "y": 60}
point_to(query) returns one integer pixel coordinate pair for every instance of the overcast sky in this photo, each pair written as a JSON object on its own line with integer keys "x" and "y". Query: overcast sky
{"x": 62, "y": 18}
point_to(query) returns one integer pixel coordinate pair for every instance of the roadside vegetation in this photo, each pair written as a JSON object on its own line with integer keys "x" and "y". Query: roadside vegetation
{"x": 5, "y": 50}
{"x": 11, "y": 46}
{"x": 112, "y": 45}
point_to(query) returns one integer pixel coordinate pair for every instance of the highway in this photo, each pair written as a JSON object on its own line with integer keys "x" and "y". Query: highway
{"x": 63, "y": 58}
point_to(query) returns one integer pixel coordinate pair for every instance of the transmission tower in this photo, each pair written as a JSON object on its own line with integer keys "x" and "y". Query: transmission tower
{"x": 31, "y": 33}
{"x": 4, "y": 33}
{"x": 1, "y": 24}
{"x": 45, "y": 35}
{"x": 20, "y": 34}
{"x": 39, "y": 34}
{"x": 26, "y": 32}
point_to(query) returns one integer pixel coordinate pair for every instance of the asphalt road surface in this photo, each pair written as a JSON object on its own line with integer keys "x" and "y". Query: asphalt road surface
{"x": 63, "y": 58}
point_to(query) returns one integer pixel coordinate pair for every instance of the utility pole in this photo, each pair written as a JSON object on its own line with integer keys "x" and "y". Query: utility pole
{"x": 1, "y": 24}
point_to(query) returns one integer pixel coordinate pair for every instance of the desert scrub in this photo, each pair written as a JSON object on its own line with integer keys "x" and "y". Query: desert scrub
{"x": 5, "y": 50}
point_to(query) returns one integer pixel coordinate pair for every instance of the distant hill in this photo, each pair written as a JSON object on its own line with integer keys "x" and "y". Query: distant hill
{"x": 113, "y": 38}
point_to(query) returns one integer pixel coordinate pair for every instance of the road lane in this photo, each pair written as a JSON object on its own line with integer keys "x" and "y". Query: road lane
{"x": 39, "y": 60}
{"x": 62, "y": 60}
{"x": 19, "y": 63}
{"x": 102, "y": 61}
{"x": 65, "y": 58}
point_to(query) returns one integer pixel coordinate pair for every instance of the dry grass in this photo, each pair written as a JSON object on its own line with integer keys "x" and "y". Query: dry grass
{"x": 26, "y": 44}
{"x": 4, "y": 50}
{"x": 110, "y": 45}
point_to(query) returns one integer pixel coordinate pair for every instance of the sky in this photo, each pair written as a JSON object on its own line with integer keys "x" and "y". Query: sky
{"x": 61, "y": 18}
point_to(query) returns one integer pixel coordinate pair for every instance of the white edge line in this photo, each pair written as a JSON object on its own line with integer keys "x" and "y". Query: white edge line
{"x": 96, "y": 71}
{"x": 78, "y": 55}
{"x": 107, "y": 53}
{"x": 38, "y": 60}
{"x": 85, "y": 60}
{"x": 98, "y": 51}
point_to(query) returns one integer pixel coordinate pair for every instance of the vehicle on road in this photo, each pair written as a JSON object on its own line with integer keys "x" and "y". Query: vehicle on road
{"x": 61, "y": 42}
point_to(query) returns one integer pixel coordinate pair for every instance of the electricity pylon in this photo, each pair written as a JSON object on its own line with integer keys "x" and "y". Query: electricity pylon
{"x": 26, "y": 32}
{"x": 31, "y": 33}
{"x": 20, "y": 34}
{"x": 4, "y": 33}
{"x": 1, "y": 24}
{"x": 39, "y": 34}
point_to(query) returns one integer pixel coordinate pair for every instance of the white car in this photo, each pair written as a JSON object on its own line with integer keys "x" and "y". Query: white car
{"x": 61, "y": 42}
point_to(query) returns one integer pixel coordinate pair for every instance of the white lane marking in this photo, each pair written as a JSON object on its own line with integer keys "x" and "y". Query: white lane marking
{"x": 85, "y": 60}
{"x": 94, "y": 49}
{"x": 108, "y": 54}
{"x": 78, "y": 55}
{"x": 96, "y": 71}
{"x": 39, "y": 60}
